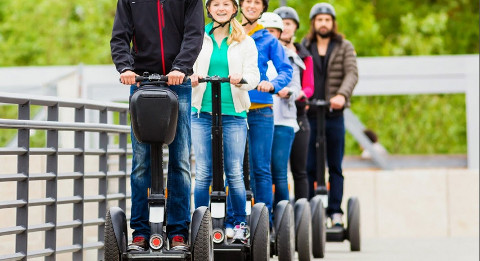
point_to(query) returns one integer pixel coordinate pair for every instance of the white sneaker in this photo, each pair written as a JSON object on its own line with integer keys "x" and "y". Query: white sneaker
{"x": 229, "y": 232}
{"x": 242, "y": 233}
{"x": 337, "y": 219}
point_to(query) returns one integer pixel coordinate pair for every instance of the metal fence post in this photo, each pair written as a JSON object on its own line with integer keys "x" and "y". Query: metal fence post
{"x": 78, "y": 185}
{"x": 122, "y": 182}
{"x": 102, "y": 182}
{"x": 23, "y": 186}
{"x": 51, "y": 192}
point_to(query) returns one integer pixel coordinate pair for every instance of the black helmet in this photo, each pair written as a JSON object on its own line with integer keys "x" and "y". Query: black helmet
{"x": 265, "y": 5}
{"x": 322, "y": 8}
{"x": 207, "y": 3}
{"x": 286, "y": 12}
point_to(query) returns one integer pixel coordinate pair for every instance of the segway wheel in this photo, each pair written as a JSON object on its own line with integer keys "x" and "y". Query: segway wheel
{"x": 303, "y": 233}
{"x": 353, "y": 219}
{"x": 112, "y": 251}
{"x": 260, "y": 233}
{"x": 319, "y": 236}
{"x": 286, "y": 234}
{"x": 202, "y": 240}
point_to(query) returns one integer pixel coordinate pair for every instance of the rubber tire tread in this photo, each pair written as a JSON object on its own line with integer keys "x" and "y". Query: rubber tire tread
{"x": 353, "y": 229}
{"x": 261, "y": 238}
{"x": 319, "y": 236}
{"x": 286, "y": 235}
{"x": 112, "y": 253}
{"x": 304, "y": 236}
{"x": 202, "y": 250}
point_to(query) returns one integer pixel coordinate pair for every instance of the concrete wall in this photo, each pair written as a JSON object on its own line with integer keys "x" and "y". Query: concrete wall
{"x": 416, "y": 203}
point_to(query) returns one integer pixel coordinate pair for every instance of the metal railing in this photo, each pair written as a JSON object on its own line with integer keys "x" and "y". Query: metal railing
{"x": 23, "y": 203}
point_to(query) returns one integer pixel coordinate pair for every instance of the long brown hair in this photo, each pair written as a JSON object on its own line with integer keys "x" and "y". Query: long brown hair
{"x": 312, "y": 35}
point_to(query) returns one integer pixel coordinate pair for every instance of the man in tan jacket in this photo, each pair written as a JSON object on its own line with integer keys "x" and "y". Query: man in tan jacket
{"x": 335, "y": 76}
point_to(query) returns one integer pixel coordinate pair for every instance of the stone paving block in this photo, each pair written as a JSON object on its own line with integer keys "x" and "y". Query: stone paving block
{"x": 463, "y": 202}
{"x": 412, "y": 203}
{"x": 361, "y": 184}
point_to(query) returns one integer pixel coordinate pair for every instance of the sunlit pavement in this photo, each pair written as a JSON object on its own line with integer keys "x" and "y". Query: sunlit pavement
{"x": 407, "y": 249}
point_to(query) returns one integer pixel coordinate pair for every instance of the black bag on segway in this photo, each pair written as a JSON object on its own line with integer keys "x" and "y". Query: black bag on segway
{"x": 154, "y": 114}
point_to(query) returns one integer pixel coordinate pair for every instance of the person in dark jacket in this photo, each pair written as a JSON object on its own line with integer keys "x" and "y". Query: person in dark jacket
{"x": 335, "y": 77}
{"x": 299, "y": 151}
{"x": 163, "y": 37}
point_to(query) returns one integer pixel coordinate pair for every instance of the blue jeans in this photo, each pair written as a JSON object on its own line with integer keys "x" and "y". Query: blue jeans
{"x": 234, "y": 139}
{"x": 282, "y": 143}
{"x": 178, "y": 179}
{"x": 260, "y": 139}
{"x": 335, "y": 143}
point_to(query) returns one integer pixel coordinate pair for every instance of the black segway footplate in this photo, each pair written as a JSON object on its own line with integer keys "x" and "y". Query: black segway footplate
{"x": 336, "y": 234}
{"x": 166, "y": 255}
{"x": 232, "y": 252}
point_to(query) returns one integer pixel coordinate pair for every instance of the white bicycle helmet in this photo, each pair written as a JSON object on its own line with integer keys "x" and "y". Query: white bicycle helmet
{"x": 271, "y": 20}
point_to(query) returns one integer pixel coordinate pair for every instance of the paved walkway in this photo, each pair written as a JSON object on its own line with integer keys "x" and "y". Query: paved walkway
{"x": 438, "y": 249}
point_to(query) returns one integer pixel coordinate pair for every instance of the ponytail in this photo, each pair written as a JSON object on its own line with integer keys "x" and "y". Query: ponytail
{"x": 238, "y": 34}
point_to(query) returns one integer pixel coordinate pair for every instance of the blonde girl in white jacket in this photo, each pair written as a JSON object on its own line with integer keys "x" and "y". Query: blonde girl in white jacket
{"x": 226, "y": 52}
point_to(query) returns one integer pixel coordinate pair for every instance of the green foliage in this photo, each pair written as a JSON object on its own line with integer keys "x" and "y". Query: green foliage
{"x": 55, "y": 32}
{"x": 384, "y": 28}
{"x": 58, "y": 32}
{"x": 420, "y": 124}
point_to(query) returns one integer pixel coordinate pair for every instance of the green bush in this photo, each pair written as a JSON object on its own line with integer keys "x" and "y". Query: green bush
{"x": 413, "y": 124}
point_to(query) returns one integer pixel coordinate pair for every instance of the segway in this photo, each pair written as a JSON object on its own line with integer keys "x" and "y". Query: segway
{"x": 256, "y": 247}
{"x": 154, "y": 113}
{"x": 333, "y": 233}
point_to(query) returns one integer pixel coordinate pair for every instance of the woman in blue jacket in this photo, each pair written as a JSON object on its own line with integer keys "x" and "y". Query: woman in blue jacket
{"x": 226, "y": 52}
{"x": 260, "y": 115}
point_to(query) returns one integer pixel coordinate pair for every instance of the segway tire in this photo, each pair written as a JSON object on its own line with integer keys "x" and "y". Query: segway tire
{"x": 112, "y": 251}
{"x": 353, "y": 222}
{"x": 202, "y": 241}
{"x": 286, "y": 234}
{"x": 319, "y": 236}
{"x": 303, "y": 230}
{"x": 260, "y": 233}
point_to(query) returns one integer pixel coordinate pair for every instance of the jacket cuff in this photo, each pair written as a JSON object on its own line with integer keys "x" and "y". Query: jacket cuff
{"x": 176, "y": 68}
{"x": 126, "y": 69}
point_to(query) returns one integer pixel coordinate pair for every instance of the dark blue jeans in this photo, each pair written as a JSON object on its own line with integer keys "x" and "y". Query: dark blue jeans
{"x": 234, "y": 139}
{"x": 178, "y": 179}
{"x": 260, "y": 139}
{"x": 282, "y": 143}
{"x": 335, "y": 143}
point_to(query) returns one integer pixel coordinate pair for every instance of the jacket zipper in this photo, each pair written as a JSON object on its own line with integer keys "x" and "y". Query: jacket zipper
{"x": 161, "y": 25}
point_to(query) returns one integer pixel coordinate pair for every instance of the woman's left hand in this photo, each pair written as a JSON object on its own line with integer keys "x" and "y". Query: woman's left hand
{"x": 235, "y": 79}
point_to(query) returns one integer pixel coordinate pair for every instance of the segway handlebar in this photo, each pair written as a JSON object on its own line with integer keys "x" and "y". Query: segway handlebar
{"x": 153, "y": 78}
{"x": 219, "y": 79}
{"x": 318, "y": 103}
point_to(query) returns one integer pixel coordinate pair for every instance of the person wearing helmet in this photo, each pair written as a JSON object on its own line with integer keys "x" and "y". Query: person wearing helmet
{"x": 284, "y": 111}
{"x": 227, "y": 51}
{"x": 163, "y": 37}
{"x": 299, "y": 150}
{"x": 335, "y": 74}
{"x": 260, "y": 115}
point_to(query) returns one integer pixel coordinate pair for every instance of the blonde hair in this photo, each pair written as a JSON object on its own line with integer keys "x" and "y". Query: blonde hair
{"x": 238, "y": 34}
